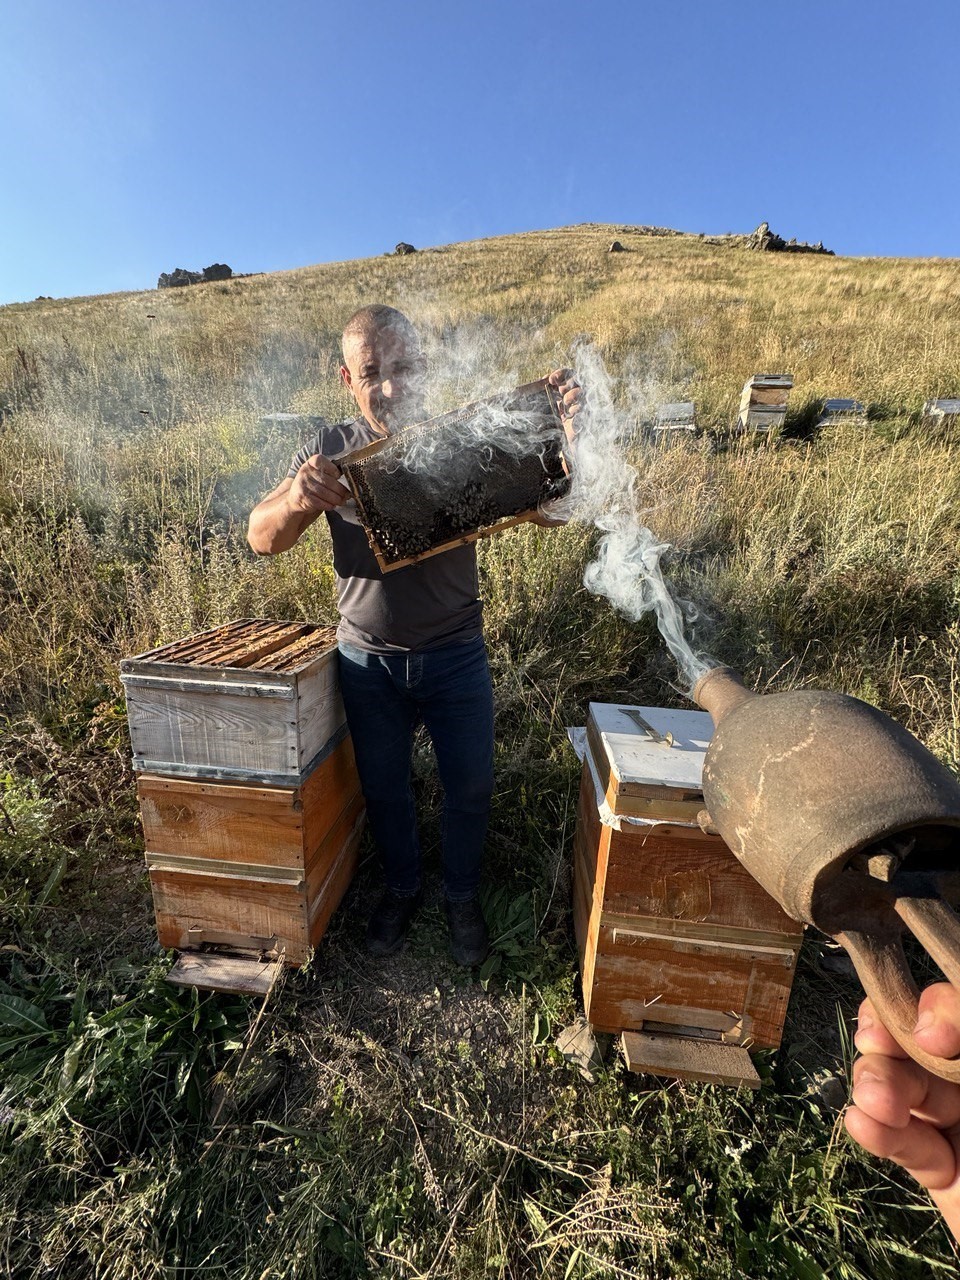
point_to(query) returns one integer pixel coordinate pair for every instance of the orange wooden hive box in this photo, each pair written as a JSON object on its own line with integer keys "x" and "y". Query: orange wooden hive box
{"x": 248, "y": 854}
{"x": 678, "y": 943}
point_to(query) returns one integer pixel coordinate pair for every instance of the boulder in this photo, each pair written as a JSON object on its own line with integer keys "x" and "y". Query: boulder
{"x": 403, "y": 248}
{"x": 217, "y": 271}
{"x": 175, "y": 279}
{"x": 615, "y": 247}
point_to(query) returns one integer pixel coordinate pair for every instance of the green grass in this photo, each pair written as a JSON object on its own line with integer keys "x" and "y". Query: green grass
{"x": 397, "y": 1118}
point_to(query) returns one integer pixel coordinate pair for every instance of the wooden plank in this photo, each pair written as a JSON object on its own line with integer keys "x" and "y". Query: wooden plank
{"x": 241, "y": 908}
{"x": 586, "y": 923}
{"x": 200, "y": 686}
{"x": 226, "y": 870}
{"x": 760, "y": 940}
{"x": 245, "y": 977}
{"x": 681, "y": 1058}
{"x": 132, "y": 669}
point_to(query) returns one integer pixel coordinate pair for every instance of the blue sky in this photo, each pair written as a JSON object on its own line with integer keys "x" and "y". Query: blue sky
{"x": 141, "y": 136}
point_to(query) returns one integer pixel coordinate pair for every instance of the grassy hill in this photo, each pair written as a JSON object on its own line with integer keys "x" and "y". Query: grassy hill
{"x": 394, "y": 1117}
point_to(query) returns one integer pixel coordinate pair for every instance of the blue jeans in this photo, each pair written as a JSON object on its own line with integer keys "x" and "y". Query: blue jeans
{"x": 386, "y": 696}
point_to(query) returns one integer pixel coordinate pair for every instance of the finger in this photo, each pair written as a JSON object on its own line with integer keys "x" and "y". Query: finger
{"x": 317, "y": 494}
{"x": 938, "y": 1024}
{"x": 890, "y": 1091}
{"x": 921, "y": 1149}
{"x": 321, "y": 466}
{"x": 872, "y": 1036}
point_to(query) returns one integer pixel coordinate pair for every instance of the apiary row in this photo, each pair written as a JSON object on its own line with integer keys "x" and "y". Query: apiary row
{"x": 251, "y": 806}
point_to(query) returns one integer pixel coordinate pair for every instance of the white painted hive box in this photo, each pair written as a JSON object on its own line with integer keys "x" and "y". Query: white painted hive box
{"x": 252, "y": 700}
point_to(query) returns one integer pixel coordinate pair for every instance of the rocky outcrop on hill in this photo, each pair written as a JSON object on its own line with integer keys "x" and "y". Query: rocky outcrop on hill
{"x": 217, "y": 271}
{"x": 175, "y": 279}
{"x": 767, "y": 241}
{"x": 180, "y": 276}
{"x": 403, "y": 248}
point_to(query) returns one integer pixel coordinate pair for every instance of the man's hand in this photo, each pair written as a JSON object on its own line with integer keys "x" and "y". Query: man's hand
{"x": 571, "y": 396}
{"x": 278, "y": 520}
{"x": 571, "y": 402}
{"x": 904, "y": 1113}
{"x": 316, "y": 487}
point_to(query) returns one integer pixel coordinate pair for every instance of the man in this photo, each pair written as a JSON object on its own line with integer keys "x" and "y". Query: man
{"x": 411, "y": 643}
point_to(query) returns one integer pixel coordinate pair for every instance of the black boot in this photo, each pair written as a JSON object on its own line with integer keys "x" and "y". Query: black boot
{"x": 390, "y": 921}
{"x": 469, "y": 936}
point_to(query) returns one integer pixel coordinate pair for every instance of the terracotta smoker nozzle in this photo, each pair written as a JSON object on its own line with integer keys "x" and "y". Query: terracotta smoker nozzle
{"x": 719, "y": 691}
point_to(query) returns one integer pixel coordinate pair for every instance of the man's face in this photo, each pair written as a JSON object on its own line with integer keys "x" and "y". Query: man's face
{"x": 384, "y": 369}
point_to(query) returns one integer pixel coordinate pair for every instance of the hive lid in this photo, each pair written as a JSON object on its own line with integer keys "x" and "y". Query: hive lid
{"x": 632, "y": 763}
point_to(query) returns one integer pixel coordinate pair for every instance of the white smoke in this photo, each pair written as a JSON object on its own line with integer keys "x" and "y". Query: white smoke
{"x": 626, "y": 568}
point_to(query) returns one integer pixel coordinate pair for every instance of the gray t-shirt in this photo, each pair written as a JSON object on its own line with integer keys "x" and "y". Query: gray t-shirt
{"x": 426, "y": 605}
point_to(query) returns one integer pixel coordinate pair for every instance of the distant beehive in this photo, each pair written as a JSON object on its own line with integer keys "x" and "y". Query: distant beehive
{"x": 763, "y": 402}
{"x": 941, "y": 413}
{"x": 842, "y": 413}
{"x": 679, "y": 416}
{"x": 249, "y": 795}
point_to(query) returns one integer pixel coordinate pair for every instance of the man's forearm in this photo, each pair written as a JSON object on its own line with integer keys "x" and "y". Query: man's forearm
{"x": 275, "y": 526}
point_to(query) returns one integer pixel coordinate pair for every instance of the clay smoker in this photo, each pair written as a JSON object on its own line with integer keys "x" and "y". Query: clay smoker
{"x": 849, "y": 822}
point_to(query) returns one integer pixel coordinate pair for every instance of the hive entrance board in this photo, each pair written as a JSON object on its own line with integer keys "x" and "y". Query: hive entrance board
{"x": 458, "y": 477}
{"x": 243, "y": 976}
{"x": 682, "y": 1058}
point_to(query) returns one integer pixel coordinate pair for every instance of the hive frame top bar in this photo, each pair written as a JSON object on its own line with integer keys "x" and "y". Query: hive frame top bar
{"x": 552, "y": 403}
{"x": 244, "y": 645}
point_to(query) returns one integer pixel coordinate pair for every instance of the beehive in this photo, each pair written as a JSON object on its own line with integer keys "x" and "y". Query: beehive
{"x": 248, "y": 853}
{"x": 252, "y": 700}
{"x": 677, "y": 941}
{"x": 763, "y": 401}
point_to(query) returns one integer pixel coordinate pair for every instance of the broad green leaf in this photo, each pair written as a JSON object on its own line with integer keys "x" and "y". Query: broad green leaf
{"x": 15, "y": 1012}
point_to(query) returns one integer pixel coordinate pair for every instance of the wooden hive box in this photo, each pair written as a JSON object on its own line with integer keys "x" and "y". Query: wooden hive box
{"x": 763, "y": 401}
{"x": 842, "y": 413}
{"x": 675, "y": 938}
{"x": 941, "y": 412}
{"x": 252, "y": 700}
{"x": 678, "y": 416}
{"x": 252, "y": 868}
{"x": 249, "y": 795}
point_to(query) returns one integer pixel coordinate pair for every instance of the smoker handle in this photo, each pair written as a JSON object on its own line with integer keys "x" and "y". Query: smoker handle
{"x": 882, "y": 968}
